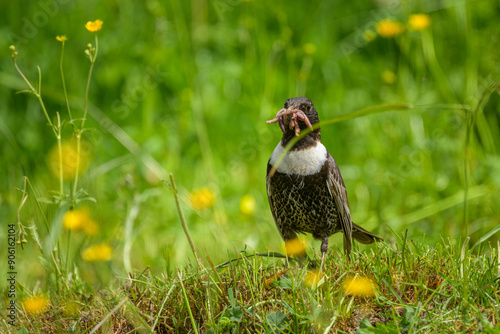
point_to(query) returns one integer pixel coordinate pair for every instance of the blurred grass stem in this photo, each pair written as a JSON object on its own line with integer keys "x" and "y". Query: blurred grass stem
{"x": 67, "y": 250}
{"x": 186, "y": 299}
{"x": 35, "y": 92}
{"x": 173, "y": 188}
{"x": 64, "y": 82}
{"x": 435, "y": 68}
{"x": 471, "y": 118}
{"x": 129, "y": 227}
{"x": 77, "y": 168}
{"x": 59, "y": 149}
{"x": 55, "y": 129}
{"x": 92, "y": 57}
{"x": 344, "y": 117}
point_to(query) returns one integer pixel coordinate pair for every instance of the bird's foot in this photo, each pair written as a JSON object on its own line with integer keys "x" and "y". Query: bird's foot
{"x": 324, "y": 249}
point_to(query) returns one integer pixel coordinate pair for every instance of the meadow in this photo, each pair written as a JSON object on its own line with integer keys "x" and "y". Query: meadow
{"x": 104, "y": 104}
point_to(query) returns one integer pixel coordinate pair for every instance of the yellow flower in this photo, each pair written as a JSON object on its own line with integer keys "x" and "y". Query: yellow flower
{"x": 97, "y": 253}
{"x": 389, "y": 77}
{"x": 247, "y": 204}
{"x": 69, "y": 160}
{"x": 62, "y": 38}
{"x": 312, "y": 278}
{"x": 203, "y": 198}
{"x": 76, "y": 220}
{"x": 419, "y": 21}
{"x": 359, "y": 286}
{"x": 388, "y": 28}
{"x": 93, "y": 26}
{"x": 35, "y": 304}
{"x": 79, "y": 220}
{"x": 295, "y": 247}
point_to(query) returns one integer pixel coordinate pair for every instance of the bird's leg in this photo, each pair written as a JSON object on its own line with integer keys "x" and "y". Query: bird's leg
{"x": 324, "y": 249}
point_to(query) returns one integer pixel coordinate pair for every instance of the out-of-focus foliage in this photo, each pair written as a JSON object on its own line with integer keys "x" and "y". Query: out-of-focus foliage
{"x": 191, "y": 85}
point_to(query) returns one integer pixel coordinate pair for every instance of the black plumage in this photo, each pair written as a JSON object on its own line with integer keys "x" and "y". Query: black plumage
{"x": 305, "y": 190}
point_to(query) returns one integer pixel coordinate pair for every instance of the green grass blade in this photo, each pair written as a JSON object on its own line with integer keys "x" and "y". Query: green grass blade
{"x": 486, "y": 237}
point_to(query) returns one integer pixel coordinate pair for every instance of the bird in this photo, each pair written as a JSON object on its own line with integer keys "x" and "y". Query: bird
{"x": 305, "y": 189}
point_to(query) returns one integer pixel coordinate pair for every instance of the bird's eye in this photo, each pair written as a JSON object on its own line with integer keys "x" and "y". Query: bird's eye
{"x": 308, "y": 107}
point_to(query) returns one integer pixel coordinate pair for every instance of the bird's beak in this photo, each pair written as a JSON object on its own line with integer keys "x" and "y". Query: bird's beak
{"x": 287, "y": 118}
{"x": 288, "y": 115}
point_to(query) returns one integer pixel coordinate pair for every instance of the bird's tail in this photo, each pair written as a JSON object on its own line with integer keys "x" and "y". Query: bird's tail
{"x": 363, "y": 236}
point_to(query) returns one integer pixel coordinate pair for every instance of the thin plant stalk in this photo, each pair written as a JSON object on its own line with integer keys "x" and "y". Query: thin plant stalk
{"x": 465, "y": 227}
{"x": 36, "y": 93}
{"x": 67, "y": 250}
{"x": 186, "y": 299}
{"x": 92, "y": 57}
{"x": 110, "y": 313}
{"x": 173, "y": 188}
{"x": 64, "y": 82}
{"x": 22, "y": 232}
{"x": 470, "y": 120}
{"x": 55, "y": 128}
{"x": 59, "y": 148}
{"x": 77, "y": 171}
{"x": 498, "y": 258}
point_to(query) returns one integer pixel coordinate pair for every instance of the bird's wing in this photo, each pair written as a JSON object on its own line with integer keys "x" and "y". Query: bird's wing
{"x": 269, "y": 192}
{"x": 337, "y": 190}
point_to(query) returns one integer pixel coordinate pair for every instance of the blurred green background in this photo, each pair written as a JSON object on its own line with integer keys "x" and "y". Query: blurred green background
{"x": 188, "y": 86}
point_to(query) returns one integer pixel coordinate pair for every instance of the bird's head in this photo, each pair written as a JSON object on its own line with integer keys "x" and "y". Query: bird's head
{"x": 298, "y": 114}
{"x": 306, "y": 106}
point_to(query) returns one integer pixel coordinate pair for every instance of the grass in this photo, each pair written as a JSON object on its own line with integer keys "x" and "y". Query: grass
{"x": 184, "y": 89}
{"x": 417, "y": 289}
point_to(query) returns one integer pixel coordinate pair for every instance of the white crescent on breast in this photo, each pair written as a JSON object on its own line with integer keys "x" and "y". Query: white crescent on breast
{"x": 302, "y": 162}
